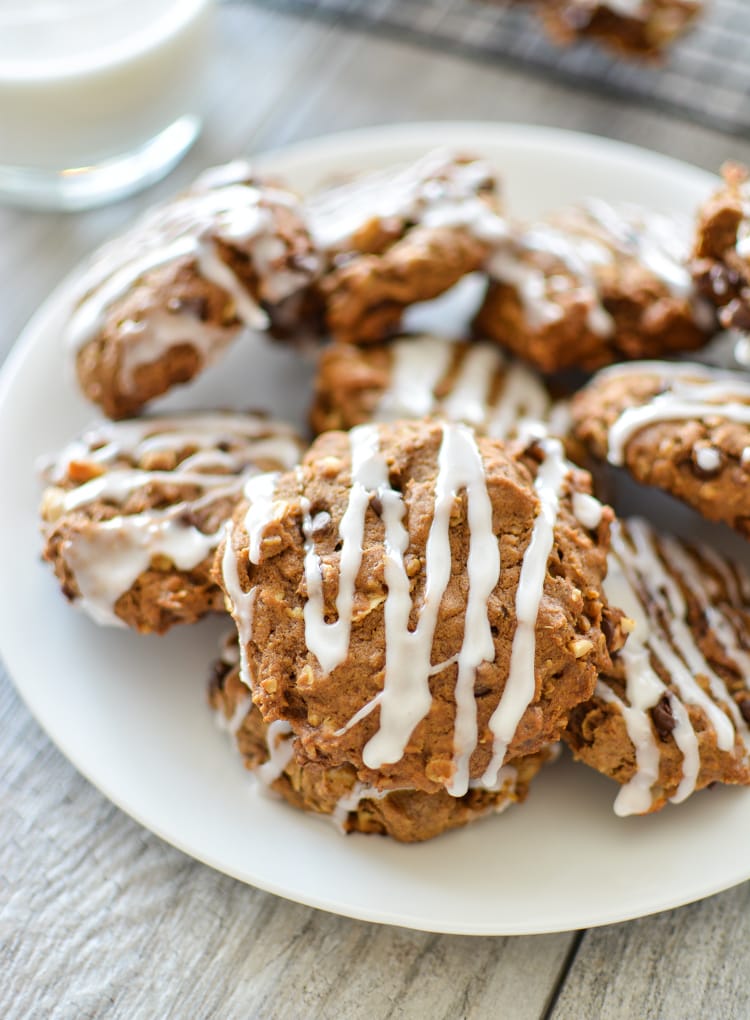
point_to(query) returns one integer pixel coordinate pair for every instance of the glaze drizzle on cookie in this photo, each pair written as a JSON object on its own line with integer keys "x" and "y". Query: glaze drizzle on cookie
{"x": 646, "y": 577}
{"x": 193, "y": 461}
{"x": 405, "y": 697}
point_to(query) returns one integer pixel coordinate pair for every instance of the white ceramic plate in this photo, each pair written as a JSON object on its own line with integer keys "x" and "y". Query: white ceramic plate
{"x": 130, "y": 713}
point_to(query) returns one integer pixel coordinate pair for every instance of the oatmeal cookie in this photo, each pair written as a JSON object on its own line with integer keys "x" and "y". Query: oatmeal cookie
{"x": 409, "y": 816}
{"x": 635, "y": 28}
{"x": 133, "y": 511}
{"x": 420, "y": 603}
{"x": 680, "y": 427}
{"x": 721, "y": 263}
{"x": 402, "y": 236}
{"x": 672, "y": 716}
{"x": 161, "y": 302}
{"x": 420, "y": 376}
{"x": 592, "y": 285}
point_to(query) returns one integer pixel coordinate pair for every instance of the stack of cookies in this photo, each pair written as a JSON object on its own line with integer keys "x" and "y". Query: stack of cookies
{"x": 432, "y": 596}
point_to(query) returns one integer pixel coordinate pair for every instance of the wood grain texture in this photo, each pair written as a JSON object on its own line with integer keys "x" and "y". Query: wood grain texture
{"x": 681, "y": 963}
{"x": 102, "y": 919}
{"x": 99, "y": 918}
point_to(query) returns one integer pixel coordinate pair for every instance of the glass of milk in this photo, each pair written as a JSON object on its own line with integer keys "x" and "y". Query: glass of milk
{"x": 98, "y": 98}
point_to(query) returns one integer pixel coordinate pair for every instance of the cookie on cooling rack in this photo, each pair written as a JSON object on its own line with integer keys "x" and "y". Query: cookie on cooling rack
{"x": 161, "y": 302}
{"x": 420, "y": 603}
{"x": 594, "y": 284}
{"x": 644, "y": 28}
{"x": 672, "y": 716}
{"x": 680, "y": 427}
{"x": 409, "y": 816}
{"x": 133, "y": 511}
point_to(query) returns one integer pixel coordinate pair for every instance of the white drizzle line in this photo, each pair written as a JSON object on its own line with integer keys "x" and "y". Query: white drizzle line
{"x": 107, "y": 559}
{"x": 262, "y": 509}
{"x": 638, "y": 583}
{"x": 420, "y": 366}
{"x": 483, "y": 568}
{"x": 247, "y": 436}
{"x": 406, "y": 696}
{"x": 667, "y": 595}
{"x": 280, "y": 744}
{"x": 692, "y": 394}
{"x": 468, "y": 400}
{"x": 329, "y": 642}
{"x": 417, "y": 366}
{"x": 522, "y": 400}
{"x": 241, "y": 603}
{"x": 351, "y": 801}
{"x": 520, "y": 685}
{"x": 584, "y": 240}
{"x": 644, "y": 689}
{"x": 436, "y": 191}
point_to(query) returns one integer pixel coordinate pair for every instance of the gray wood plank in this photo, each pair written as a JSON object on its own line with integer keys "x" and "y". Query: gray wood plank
{"x": 99, "y": 918}
{"x": 682, "y": 963}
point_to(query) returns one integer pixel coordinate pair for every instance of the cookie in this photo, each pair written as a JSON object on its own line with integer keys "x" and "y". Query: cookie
{"x": 418, "y": 602}
{"x": 721, "y": 264}
{"x": 402, "y": 236}
{"x": 680, "y": 427}
{"x": 635, "y": 28}
{"x": 161, "y": 302}
{"x": 133, "y": 511}
{"x": 672, "y": 716}
{"x": 408, "y": 816}
{"x": 421, "y": 376}
{"x": 595, "y": 284}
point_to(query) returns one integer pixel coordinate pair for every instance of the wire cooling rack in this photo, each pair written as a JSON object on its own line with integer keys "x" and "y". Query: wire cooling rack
{"x": 705, "y": 78}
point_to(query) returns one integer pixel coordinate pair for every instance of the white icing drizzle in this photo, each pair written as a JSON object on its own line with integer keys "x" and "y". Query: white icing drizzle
{"x": 420, "y": 366}
{"x": 639, "y": 583}
{"x": 520, "y": 685}
{"x": 584, "y": 240}
{"x": 483, "y": 569}
{"x": 329, "y": 642}
{"x": 522, "y": 400}
{"x": 469, "y": 397}
{"x": 240, "y": 214}
{"x": 106, "y": 557}
{"x": 436, "y": 191}
{"x": 233, "y": 724}
{"x": 107, "y": 442}
{"x": 280, "y": 744}
{"x": 241, "y": 603}
{"x": 406, "y": 696}
{"x": 644, "y": 690}
{"x": 351, "y": 801}
{"x": 262, "y": 509}
{"x": 692, "y": 393}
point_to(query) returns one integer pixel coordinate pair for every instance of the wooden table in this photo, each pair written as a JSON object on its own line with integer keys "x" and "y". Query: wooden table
{"x": 99, "y": 918}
